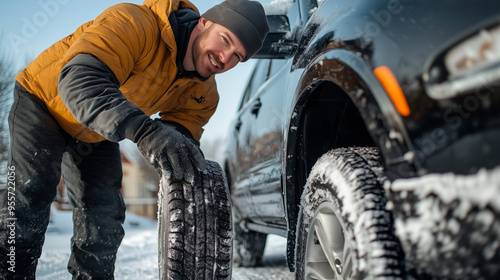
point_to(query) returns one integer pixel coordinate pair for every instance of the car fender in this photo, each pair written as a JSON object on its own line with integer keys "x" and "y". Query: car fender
{"x": 354, "y": 76}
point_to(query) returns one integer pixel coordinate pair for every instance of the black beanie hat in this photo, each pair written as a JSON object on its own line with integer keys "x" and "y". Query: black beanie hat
{"x": 246, "y": 19}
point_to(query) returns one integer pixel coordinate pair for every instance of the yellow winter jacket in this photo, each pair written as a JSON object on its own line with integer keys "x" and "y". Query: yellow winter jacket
{"x": 138, "y": 45}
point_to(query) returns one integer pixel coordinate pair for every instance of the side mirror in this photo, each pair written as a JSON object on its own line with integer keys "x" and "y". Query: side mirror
{"x": 278, "y": 42}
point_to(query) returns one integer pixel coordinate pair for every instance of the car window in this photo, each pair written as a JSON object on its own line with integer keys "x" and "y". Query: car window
{"x": 259, "y": 76}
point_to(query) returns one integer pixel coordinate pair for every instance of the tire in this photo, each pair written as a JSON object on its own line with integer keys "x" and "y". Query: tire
{"x": 195, "y": 228}
{"x": 248, "y": 245}
{"x": 344, "y": 230}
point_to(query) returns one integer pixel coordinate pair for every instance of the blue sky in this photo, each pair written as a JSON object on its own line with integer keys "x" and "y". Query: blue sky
{"x": 28, "y": 27}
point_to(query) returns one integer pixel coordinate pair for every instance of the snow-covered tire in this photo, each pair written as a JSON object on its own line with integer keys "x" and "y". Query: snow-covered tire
{"x": 449, "y": 224}
{"x": 195, "y": 228}
{"x": 248, "y": 246}
{"x": 344, "y": 230}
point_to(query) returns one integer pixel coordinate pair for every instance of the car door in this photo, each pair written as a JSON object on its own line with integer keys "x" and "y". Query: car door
{"x": 266, "y": 138}
{"x": 241, "y": 164}
{"x": 266, "y": 142}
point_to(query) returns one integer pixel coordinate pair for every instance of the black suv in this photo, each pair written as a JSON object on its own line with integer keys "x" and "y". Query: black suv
{"x": 369, "y": 136}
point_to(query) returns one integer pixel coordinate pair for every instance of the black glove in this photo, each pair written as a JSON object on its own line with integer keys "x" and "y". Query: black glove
{"x": 170, "y": 152}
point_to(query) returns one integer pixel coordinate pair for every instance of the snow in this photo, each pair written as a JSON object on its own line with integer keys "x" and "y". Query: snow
{"x": 136, "y": 259}
{"x": 323, "y": 166}
{"x": 447, "y": 206}
{"x": 480, "y": 189}
{"x": 138, "y": 253}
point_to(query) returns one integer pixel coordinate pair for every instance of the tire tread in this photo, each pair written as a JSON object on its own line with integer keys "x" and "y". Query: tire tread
{"x": 194, "y": 229}
{"x": 362, "y": 168}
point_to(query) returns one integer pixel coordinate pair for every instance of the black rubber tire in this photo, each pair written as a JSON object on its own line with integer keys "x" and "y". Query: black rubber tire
{"x": 248, "y": 245}
{"x": 344, "y": 195}
{"x": 195, "y": 228}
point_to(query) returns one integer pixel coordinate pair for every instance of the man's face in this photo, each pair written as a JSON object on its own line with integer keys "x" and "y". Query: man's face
{"x": 216, "y": 50}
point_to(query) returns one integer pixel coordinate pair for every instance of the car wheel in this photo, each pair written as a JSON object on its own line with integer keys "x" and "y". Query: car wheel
{"x": 195, "y": 228}
{"x": 344, "y": 230}
{"x": 248, "y": 245}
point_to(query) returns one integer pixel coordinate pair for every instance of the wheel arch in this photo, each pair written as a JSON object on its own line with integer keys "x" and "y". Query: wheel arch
{"x": 342, "y": 80}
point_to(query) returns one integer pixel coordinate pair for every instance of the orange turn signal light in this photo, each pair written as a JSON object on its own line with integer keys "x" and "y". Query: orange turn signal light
{"x": 393, "y": 89}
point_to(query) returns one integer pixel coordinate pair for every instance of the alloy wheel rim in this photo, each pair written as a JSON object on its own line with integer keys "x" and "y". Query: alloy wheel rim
{"x": 327, "y": 256}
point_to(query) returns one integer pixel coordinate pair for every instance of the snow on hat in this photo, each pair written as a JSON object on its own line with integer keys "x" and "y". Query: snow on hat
{"x": 246, "y": 19}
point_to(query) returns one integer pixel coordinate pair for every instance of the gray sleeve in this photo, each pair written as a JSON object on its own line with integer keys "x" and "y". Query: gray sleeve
{"x": 90, "y": 91}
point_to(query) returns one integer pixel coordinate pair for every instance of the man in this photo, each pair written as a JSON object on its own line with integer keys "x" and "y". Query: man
{"x": 98, "y": 86}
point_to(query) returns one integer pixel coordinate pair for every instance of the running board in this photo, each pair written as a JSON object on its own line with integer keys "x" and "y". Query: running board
{"x": 266, "y": 229}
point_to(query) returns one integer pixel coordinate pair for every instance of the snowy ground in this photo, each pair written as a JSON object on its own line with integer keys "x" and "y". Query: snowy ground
{"x": 137, "y": 256}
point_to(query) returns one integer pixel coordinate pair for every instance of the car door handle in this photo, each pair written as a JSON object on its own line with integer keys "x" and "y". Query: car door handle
{"x": 237, "y": 125}
{"x": 256, "y": 107}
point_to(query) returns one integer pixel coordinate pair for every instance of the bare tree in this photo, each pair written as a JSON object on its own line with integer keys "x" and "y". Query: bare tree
{"x": 213, "y": 149}
{"x": 7, "y": 73}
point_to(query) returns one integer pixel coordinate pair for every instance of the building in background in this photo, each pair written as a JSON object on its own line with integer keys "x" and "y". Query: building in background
{"x": 140, "y": 182}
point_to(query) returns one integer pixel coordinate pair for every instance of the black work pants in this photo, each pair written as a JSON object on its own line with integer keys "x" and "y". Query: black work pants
{"x": 40, "y": 153}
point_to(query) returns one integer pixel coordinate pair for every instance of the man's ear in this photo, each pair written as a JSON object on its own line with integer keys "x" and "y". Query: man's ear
{"x": 203, "y": 23}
